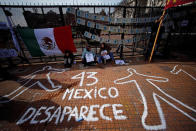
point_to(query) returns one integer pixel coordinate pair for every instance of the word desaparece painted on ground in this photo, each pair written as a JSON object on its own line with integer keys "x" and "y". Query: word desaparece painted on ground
{"x": 88, "y": 113}
{"x": 89, "y": 91}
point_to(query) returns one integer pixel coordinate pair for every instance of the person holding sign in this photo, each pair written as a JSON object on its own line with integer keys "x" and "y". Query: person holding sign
{"x": 88, "y": 56}
{"x": 105, "y": 53}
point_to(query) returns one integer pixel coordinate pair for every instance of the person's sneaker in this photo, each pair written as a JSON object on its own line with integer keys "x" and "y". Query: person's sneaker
{"x": 94, "y": 64}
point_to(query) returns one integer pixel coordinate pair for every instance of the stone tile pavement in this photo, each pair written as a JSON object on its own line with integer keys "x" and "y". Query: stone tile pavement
{"x": 159, "y": 96}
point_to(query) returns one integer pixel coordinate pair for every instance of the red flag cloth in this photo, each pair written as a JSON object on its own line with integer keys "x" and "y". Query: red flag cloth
{"x": 63, "y": 37}
{"x": 173, "y": 3}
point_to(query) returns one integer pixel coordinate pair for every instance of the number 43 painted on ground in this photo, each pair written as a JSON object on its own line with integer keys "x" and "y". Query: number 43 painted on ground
{"x": 90, "y": 75}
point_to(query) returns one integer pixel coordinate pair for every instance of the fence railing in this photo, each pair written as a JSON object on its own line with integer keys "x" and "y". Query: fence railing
{"x": 45, "y": 16}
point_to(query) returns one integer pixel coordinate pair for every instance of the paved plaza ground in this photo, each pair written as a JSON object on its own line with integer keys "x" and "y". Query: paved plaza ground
{"x": 158, "y": 96}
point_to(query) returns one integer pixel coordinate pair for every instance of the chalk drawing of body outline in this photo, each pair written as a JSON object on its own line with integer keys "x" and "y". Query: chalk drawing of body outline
{"x": 157, "y": 103}
{"x": 28, "y": 79}
{"x": 177, "y": 69}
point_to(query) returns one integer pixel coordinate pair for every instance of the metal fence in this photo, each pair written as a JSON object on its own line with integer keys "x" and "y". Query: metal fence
{"x": 39, "y": 16}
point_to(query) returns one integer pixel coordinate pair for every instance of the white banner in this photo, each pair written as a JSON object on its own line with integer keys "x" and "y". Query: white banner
{"x": 90, "y": 24}
{"x": 87, "y": 34}
{"x": 93, "y": 16}
{"x": 111, "y": 20}
{"x": 80, "y": 21}
{"x": 71, "y": 10}
{"x": 80, "y": 13}
{"x": 99, "y": 26}
{"x": 114, "y": 29}
{"x": 125, "y": 41}
{"x": 95, "y": 37}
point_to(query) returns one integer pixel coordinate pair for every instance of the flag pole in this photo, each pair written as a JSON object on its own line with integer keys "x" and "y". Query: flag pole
{"x": 155, "y": 41}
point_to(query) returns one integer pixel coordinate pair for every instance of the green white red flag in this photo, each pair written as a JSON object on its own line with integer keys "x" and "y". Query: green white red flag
{"x": 48, "y": 41}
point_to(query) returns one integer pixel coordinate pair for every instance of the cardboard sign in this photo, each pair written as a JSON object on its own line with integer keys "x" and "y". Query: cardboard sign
{"x": 107, "y": 57}
{"x": 89, "y": 58}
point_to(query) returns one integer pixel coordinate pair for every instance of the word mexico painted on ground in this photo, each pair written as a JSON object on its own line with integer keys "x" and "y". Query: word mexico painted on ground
{"x": 88, "y": 113}
{"x": 93, "y": 103}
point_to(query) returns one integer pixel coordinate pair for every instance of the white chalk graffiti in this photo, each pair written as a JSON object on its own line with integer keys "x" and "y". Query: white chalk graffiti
{"x": 29, "y": 78}
{"x": 90, "y": 75}
{"x": 155, "y": 96}
{"x": 177, "y": 69}
{"x": 88, "y": 113}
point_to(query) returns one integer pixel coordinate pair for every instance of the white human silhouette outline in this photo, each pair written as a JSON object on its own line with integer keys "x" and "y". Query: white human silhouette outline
{"x": 178, "y": 68}
{"x": 28, "y": 79}
{"x": 155, "y": 95}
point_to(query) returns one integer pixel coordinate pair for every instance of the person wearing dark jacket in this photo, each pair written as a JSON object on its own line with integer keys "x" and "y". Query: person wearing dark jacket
{"x": 88, "y": 56}
{"x": 154, "y": 28}
{"x": 68, "y": 59}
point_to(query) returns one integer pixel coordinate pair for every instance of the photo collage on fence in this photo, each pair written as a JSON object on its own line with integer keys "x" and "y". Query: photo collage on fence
{"x": 84, "y": 15}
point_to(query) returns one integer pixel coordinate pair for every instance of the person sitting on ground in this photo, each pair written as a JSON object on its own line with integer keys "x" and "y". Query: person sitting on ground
{"x": 68, "y": 59}
{"x": 88, "y": 56}
{"x": 105, "y": 53}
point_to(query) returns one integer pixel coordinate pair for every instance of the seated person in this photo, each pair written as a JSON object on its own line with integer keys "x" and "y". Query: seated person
{"x": 105, "y": 53}
{"x": 88, "y": 56}
{"x": 68, "y": 59}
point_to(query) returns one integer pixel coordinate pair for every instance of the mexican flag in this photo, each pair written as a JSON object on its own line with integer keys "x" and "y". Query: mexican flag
{"x": 48, "y": 41}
